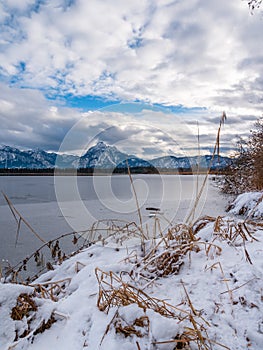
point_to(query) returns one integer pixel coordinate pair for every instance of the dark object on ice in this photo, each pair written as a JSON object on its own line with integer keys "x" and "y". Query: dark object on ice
{"x": 153, "y": 209}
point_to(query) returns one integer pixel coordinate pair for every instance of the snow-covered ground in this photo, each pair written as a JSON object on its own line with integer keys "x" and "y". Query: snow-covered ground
{"x": 197, "y": 287}
{"x": 108, "y": 298}
{"x": 249, "y": 204}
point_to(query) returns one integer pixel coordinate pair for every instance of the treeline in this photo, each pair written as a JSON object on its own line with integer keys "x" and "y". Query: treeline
{"x": 84, "y": 171}
{"x": 26, "y": 171}
{"x": 100, "y": 171}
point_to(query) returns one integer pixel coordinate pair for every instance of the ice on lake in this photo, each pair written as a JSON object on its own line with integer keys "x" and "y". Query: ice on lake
{"x": 63, "y": 204}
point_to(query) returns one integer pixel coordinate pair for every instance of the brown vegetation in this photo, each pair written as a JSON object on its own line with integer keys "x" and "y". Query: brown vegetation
{"x": 246, "y": 171}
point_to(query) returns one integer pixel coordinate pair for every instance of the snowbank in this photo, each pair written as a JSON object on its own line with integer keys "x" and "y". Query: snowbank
{"x": 249, "y": 204}
{"x": 197, "y": 288}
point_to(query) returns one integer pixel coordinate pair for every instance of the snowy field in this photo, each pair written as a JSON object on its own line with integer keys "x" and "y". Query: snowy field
{"x": 194, "y": 287}
{"x": 101, "y": 197}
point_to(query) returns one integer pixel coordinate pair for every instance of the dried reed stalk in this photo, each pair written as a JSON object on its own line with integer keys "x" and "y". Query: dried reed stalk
{"x": 119, "y": 230}
{"x": 198, "y": 166}
{"x": 216, "y": 148}
{"x": 51, "y": 289}
{"x": 18, "y": 217}
{"x": 242, "y": 285}
{"x": 235, "y": 233}
{"x": 225, "y": 280}
{"x": 138, "y": 207}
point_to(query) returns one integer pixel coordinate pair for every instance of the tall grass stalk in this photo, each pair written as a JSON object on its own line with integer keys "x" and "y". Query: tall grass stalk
{"x": 198, "y": 166}
{"x": 138, "y": 207}
{"x": 19, "y": 218}
{"x": 216, "y": 149}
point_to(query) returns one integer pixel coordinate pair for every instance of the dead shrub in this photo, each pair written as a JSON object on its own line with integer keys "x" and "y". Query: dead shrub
{"x": 24, "y": 306}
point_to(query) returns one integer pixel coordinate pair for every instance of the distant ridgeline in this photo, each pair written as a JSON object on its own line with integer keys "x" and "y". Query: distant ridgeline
{"x": 101, "y": 158}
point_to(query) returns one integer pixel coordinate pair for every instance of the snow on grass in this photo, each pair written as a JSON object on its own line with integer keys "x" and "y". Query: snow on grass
{"x": 248, "y": 203}
{"x": 197, "y": 287}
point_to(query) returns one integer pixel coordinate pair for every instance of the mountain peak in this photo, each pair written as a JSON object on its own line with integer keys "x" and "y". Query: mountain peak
{"x": 99, "y": 146}
{"x": 101, "y": 155}
{"x": 101, "y": 143}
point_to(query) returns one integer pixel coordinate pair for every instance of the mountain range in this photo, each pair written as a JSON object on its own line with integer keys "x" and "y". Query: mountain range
{"x": 100, "y": 156}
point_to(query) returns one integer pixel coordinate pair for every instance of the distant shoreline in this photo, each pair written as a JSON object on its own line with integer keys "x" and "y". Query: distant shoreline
{"x": 105, "y": 172}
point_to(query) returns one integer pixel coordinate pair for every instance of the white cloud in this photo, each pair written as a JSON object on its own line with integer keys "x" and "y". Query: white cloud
{"x": 196, "y": 48}
{"x": 28, "y": 120}
{"x": 194, "y": 53}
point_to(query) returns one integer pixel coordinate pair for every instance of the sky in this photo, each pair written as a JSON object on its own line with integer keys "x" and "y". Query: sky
{"x": 113, "y": 68}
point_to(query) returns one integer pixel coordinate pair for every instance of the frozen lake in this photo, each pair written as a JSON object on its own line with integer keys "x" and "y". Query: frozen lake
{"x": 58, "y": 205}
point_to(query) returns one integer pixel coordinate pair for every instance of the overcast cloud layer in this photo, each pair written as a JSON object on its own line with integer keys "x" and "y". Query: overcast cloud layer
{"x": 193, "y": 53}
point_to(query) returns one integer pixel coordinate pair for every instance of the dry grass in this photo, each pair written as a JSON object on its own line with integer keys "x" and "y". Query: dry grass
{"x": 227, "y": 229}
{"x": 165, "y": 262}
{"x": 104, "y": 232}
{"x": 113, "y": 291}
{"x": 168, "y": 253}
{"x": 139, "y": 327}
{"x": 51, "y": 249}
{"x": 51, "y": 289}
{"x": 24, "y": 306}
{"x": 165, "y": 257}
{"x": 26, "y": 309}
{"x": 112, "y": 231}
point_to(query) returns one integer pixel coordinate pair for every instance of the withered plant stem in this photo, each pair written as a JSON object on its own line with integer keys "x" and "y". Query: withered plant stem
{"x": 216, "y": 148}
{"x": 16, "y": 213}
{"x": 137, "y": 205}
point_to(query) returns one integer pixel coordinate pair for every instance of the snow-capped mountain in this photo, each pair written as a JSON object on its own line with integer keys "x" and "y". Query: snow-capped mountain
{"x": 203, "y": 162}
{"x": 171, "y": 162}
{"x": 134, "y": 162}
{"x": 47, "y": 160}
{"x": 101, "y": 156}
{"x": 207, "y": 162}
{"x": 11, "y": 157}
{"x": 67, "y": 161}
